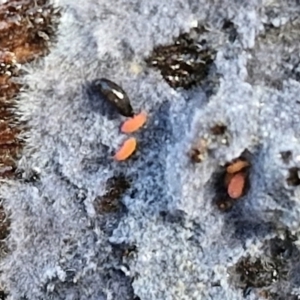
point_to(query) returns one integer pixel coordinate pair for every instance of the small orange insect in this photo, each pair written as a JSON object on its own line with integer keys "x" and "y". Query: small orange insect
{"x": 236, "y": 185}
{"x": 134, "y": 123}
{"x": 126, "y": 149}
{"x": 237, "y": 166}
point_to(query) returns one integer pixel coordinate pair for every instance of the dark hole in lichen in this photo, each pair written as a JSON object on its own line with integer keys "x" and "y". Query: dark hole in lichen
{"x": 282, "y": 248}
{"x": 175, "y": 216}
{"x": 228, "y": 27}
{"x": 293, "y": 178}
{"x": 110, "y": 202}
{"x": 295, "y": 72}
{"x": 286, "y": 156}
{"x": 3, "y": 295}
{"x": 198, "y": 151}
{"x": 270, "y": 271}
{"x": 33, "y": 177}
{"x": 195, "y": 155}
{"x": 221, "y": 199}
{"x": 216, "y": 284}
{"x": 131, "y": 250}
{"x": 125, "y": 250}
{"x": 255, "y": 273}
{"x": 186, "y": 62}
{"x": 218, "y": 129}
{"x": 227, "y": 24}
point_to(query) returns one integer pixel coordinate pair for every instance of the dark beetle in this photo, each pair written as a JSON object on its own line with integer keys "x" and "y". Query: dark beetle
{"x": 115, "y": 95}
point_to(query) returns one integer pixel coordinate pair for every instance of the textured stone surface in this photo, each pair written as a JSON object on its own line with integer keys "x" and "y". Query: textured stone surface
{"x": 154, "y": 227}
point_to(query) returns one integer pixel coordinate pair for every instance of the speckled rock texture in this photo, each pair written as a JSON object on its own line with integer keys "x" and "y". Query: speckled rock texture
{"x": 153, "y": 227}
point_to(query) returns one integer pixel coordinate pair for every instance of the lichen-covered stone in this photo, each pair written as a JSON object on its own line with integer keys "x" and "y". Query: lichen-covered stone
{"x": 162, "y": 233}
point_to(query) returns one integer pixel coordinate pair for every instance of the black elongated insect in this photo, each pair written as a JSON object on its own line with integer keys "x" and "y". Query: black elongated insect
{"x": 115, "y": 95}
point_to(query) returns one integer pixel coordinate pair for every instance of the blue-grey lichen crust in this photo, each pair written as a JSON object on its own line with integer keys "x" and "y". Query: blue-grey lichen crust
{"x": 60, "y": 246}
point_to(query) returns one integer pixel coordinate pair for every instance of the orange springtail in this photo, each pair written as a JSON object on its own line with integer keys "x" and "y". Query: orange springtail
{"x": 236, "y": 186}
{"x": 126, "y": 150}
{"x": 237, "y": 166}
{"x": 134, "y": 123}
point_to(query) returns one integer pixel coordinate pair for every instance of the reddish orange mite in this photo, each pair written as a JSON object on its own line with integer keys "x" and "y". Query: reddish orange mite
{"x": 134, "y": 123}
{"x": 126, "y": 150}
{"x": 236, "y": 185}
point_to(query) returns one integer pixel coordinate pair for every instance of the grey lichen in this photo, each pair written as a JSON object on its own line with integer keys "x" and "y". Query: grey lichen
{"x": 76, "y": 234}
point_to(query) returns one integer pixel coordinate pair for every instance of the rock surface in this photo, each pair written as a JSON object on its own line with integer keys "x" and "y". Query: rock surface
{"x": 218, "y": 79}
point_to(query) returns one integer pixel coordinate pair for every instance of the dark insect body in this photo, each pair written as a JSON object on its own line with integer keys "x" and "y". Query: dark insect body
{"x": 115, "y": 95}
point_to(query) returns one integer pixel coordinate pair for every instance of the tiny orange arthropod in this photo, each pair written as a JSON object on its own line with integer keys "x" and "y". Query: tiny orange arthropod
{"x": 126, "y": 150}
{"x": 237, "y": 166}
{"x": 236, "y": 185}
{"x": 134, "y": 123}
